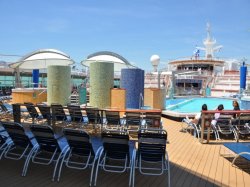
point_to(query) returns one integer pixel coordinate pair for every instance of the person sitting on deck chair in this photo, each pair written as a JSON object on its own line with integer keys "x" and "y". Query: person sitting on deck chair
{"x": 217, "y": 115}
{"x": 198, "y": 115}
{"x": 236, "y": 107}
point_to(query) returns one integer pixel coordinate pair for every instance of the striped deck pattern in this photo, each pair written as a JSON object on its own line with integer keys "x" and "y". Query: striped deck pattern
{"x": 192, "y": 164}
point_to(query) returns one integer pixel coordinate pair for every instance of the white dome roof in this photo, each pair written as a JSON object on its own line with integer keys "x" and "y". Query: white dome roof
{"x": 106, "y": 56}
{"x": 41, "y": 59}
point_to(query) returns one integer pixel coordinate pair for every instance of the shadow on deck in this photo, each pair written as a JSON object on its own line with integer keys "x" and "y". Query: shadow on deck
{"x": 39, "y": 175}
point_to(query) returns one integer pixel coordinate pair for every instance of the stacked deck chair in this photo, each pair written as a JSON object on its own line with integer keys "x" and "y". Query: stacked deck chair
{"x": 45, "y": 112}
{"x": 151, "y": 157}
{"x": 33, "y": 114}
{"x": 22, "y": 143}
{"x": 6, "y": 110}
{"x": 58, "y": 114}
{"x": 242, "y": 125}
{"x": 76, "y": 117}
{"x": 116, "y": 154}
{"x": 153, "y": 120}
{"x": 80, "y": 153}
{"x": 94, "y": 117}
{"x": 224, "y": 127}
{"x": 51, "y": 149}
{"x": 113, "y": 120}
{"x": 133, "y": 121}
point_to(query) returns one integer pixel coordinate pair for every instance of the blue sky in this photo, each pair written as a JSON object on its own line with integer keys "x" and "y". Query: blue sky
{"x": 135, "y": 29}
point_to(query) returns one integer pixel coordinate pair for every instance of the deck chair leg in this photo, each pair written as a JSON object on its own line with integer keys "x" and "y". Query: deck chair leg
{"x": 132, "y": 169}
{"x": 27, "y": 161}
{"x": 60, "y": 157}
{"x": 235, "y": 135}
{"x": 55, "y": 168}
{"x": 216, "y": 133}
{"x": 133, "y": 177}
{"x": 168, "y": 173}
{"x": 92, "y": 172}
{"x": 3, "y": 148}
{"x": 60, "y": 167}
{"x": 242, "y": 153}
{"x": 99, "y": 151}
{"x": 97, "y": 167}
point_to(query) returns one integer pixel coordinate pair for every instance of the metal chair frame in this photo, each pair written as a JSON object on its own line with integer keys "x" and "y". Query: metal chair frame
{"x": 48, "y": 144}
{"x": 151, "y": 150}
{"x": 79, "y": 146}
{"x": 115, "y": 148}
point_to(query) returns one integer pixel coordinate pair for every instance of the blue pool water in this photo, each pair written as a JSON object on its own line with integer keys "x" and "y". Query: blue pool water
{"x": 193, "y": 105}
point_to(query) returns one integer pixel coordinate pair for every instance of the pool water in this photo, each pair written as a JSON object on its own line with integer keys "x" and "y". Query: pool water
{"x": 193, "y": 105}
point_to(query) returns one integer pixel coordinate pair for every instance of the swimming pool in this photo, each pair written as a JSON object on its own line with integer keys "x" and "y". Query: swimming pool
{"x": 193, "y": 105}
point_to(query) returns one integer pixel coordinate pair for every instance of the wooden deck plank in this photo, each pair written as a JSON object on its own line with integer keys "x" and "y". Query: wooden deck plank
{"x": 213, "y": 167}
{"x": 177, "y": 157}
{"x": 202, "y": 165}
{"x": 186, "y": 159}
{"x": 246, "y": 177}
{"x": 225, "y": 173}
{"x": 207, "y": 167}
{"x": 193, "y": 165}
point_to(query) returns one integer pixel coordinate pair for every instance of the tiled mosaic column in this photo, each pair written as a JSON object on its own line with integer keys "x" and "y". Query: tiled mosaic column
{"x": 58, "y": 84}
{"x": 101, "y": 82}
{"x": 133, "y": 81}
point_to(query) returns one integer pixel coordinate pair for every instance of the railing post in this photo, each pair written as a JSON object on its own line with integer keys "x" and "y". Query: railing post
{"x": 208, "y": 127}
{"x": 202, "y": 127}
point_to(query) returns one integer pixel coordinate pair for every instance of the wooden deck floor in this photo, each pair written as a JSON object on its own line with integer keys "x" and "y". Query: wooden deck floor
{"x": 192, "y": 164}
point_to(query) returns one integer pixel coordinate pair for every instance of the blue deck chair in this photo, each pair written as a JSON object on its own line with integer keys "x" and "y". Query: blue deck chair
{"x": 116, "y": 154}
{"x": 80, "y": 153}
{"x": 51, "y": 147}
{"x": 151, "y": 157}
{"x": 241, "y": 149}
{"x": 22, "y": 142}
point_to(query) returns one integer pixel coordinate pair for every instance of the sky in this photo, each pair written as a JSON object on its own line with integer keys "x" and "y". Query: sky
{"x": 135, "y": 29}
